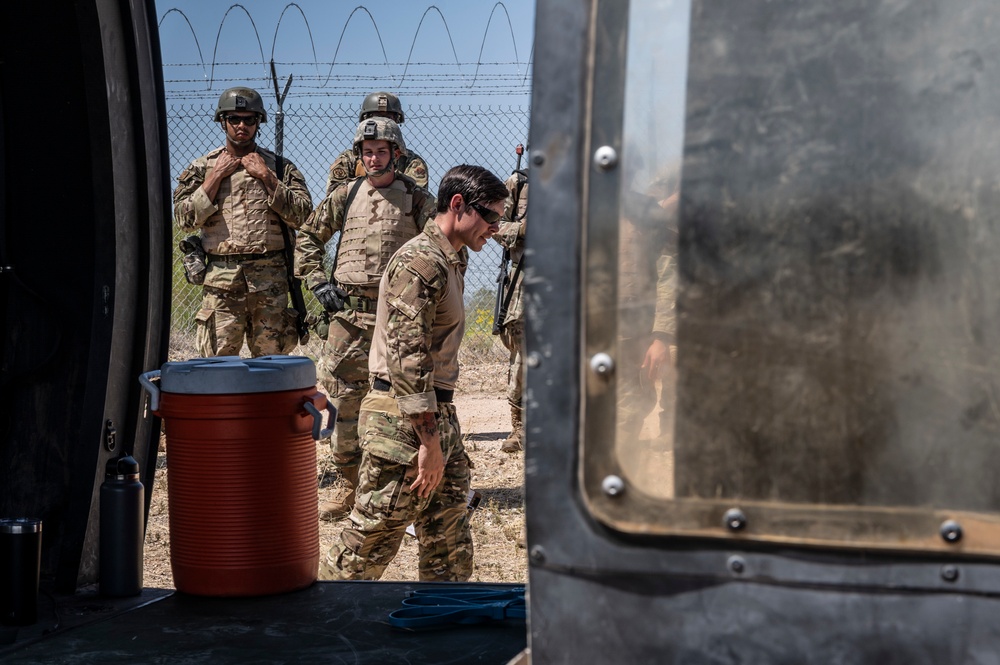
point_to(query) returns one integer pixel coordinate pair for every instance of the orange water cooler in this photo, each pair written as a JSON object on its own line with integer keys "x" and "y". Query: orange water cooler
{"x": 241, "y": 472}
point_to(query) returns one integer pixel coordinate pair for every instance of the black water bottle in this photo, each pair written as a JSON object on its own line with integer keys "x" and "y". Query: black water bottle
{"x": 121, "y": 528}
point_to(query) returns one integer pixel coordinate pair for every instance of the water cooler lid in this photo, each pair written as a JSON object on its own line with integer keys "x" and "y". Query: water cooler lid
{"x": 228, "y": 375}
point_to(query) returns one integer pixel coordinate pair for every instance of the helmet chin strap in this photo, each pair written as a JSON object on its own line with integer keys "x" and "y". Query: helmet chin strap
{"x": 382, "y": 171}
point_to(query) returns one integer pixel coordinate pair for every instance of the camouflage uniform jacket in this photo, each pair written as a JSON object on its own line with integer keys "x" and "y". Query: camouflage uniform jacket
{"x": 229, "y": 218}
{"x": 347, "y": 167}
{"x": 420, "y": 320}
{"x": 329, "y": 218}
{"x": 647, "y": 271}
{"x": 511, "y": 236}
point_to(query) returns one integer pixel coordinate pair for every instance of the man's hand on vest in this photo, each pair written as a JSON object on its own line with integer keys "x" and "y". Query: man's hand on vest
{"x": 255, "y": 167}
{"x": 331, "y": 297}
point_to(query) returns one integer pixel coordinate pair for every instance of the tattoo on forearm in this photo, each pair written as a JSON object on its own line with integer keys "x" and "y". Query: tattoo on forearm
{"x": 424, "y": 424}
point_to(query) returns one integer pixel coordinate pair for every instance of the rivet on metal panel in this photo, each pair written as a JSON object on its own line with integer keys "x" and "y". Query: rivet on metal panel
{"x": 605, "y": 158}
{"x": 734, "y": 519}
{"x": 602, "y": 364}
{"x": 737, "y": 565}
{"x": 613, "y": 486}
{"x": 951, "y": 531}
{"x": 949, "y": 573}
{"x": 534, "y": 359}
{"x": 538, "y": 159}
{"x": 538, "y": 554}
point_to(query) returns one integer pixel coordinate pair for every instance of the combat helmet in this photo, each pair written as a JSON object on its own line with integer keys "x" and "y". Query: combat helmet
{"x": 240, "y": 99}
{"x": 381, "y": 102}
{"x": 378, "y": 129}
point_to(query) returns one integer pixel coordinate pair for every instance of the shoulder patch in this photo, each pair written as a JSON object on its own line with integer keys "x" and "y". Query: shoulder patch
{"x": 405, "y": 294}
{"x": 425, "y": 269}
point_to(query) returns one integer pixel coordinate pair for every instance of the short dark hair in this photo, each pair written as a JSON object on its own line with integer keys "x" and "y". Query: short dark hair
{"x": 474, "y": 183}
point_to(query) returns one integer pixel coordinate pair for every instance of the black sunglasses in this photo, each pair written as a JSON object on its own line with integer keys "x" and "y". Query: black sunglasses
{"x": 489, "y": 216}
{"x": 248, "y": 120}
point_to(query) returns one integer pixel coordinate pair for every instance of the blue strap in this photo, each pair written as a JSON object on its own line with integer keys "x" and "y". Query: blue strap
{"x": 428, "y": 608}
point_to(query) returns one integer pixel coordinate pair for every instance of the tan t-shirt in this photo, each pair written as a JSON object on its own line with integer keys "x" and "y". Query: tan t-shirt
{"x": 420, "y": 320}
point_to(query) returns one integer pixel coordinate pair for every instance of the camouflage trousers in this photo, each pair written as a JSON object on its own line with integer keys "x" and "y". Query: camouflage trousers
{"x": 343, "y": 373}
{"x": 384, "y": 506}
{"x": 512, "y": 337}
{"x": 262, "y": 318}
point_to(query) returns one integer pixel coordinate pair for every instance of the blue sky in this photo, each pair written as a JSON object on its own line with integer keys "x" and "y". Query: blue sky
{"x": 455, "y": 48}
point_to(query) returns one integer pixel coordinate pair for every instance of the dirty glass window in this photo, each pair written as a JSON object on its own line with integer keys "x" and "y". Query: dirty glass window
{"x": 646, "y": 344}
{"x": 807, "y": 332}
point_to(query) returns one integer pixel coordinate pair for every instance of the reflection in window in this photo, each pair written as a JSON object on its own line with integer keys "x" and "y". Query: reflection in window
{"x": 647, "y": 265}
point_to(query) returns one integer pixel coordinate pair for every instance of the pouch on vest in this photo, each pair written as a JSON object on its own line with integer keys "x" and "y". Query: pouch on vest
{"x": 193, "y": 259}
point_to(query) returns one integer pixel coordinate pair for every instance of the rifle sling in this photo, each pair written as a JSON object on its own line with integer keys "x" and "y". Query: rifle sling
{"x": 294, "y": 287}
{"x": 522, "y": 180}
{"x": 507, "y": 297}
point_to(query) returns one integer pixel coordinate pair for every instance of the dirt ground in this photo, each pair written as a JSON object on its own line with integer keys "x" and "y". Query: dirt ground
{"x": 498, "y": 476}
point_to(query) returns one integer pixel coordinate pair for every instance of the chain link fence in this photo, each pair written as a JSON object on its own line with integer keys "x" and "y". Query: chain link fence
{"x": 313, "y": 136}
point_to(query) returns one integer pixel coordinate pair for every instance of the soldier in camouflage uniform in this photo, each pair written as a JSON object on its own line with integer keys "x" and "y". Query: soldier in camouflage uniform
{"x": 511, "y": 236}
{"x": 646, "y": 302}
{"x": 348, "y": 166}
{"x": 415, "y": 468}
{"x": 375, "y": 215}
{"x": 233, "y": 199}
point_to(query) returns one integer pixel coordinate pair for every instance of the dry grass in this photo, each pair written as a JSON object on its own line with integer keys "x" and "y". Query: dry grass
{"x": 499, "y": 477}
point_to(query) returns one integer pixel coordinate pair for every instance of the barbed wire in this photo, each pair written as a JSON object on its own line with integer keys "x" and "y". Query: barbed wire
{"x": 358, "y": 63}
{"x": 496, "y": 81}
{"x": 391, "y": 77}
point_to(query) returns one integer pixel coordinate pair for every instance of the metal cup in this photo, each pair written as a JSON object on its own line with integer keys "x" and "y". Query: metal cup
{"x": 20, "y": 569}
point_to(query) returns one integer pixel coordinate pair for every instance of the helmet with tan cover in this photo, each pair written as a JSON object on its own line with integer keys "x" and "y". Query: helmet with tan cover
{"x": 378, "y": 129}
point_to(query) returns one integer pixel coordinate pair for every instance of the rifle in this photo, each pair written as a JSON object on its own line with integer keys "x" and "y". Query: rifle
{"x": 504, "y": 281}
{"x": 294, "y": 285}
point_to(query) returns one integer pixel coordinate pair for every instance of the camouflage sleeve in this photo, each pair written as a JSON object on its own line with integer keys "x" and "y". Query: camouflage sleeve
{"x": 665, "y": 317}
{"x": 192, "y": 207}
{"x": 416, "y": 168}
{"x": 425, "y": 207}
{"x": 414, "y": 286}
{"x": 511, "y": 233}
{"x": 291, "y": 198}
{"x": 310, "y": 242}
{"x": 341, "y": 171}
{"x": 664, "y": 320}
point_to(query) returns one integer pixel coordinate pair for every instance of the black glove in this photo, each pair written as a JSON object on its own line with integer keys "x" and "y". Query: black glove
{"x": 331, "y": 297}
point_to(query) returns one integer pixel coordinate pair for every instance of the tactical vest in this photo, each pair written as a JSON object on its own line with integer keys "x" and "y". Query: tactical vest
{"x": 378, "y": 222}
{"x": 244, "y": 222}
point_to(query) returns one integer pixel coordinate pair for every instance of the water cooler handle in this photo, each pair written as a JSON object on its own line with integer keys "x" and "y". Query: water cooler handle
{"x": 319, "y": 434}
{"x": 154, "y": 392}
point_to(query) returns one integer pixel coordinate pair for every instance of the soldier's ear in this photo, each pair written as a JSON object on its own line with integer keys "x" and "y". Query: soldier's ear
{"x": 457, "y": 203}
